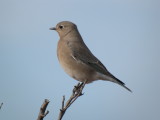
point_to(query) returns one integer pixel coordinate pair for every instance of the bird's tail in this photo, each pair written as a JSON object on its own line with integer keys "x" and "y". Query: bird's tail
{"x": 110, "y": 77}
{"x": 116, "y": 80}
{"x": 122, "y": 84}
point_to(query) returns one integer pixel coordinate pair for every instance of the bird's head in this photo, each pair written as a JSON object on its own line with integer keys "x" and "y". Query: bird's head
{"x": 64, "y": 27}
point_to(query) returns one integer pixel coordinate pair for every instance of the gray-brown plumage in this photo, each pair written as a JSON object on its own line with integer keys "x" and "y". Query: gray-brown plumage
{"x": 76, "y": 59}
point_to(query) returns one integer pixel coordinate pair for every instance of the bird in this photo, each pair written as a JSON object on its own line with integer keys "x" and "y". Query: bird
{"x": 77, "y": 60}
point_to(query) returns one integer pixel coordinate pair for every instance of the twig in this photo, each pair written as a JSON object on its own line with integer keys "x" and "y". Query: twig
{"x": 77, "y": 92}
{"x": 42, "y": 112}
{"x": 1, "y": 105}
{"x": 63, "y": 102}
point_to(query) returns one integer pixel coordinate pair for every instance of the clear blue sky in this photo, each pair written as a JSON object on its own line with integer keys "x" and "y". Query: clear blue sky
{"x": 123, "y": 34}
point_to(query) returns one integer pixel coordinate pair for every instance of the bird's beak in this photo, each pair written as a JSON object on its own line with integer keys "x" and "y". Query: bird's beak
{"x": 52, "y": 28}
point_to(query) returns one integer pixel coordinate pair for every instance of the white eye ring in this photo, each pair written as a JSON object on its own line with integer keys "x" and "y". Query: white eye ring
{"x": 61, "y": 26}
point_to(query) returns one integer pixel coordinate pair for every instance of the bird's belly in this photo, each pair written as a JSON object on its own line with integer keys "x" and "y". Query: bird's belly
{"x": 78, "y": 70}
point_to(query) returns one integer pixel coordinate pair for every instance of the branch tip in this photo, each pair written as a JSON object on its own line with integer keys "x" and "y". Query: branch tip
{"x": 76, "y": 92}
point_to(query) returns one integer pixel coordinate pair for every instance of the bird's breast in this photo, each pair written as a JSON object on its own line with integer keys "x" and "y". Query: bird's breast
{"x": 78, "y": 70}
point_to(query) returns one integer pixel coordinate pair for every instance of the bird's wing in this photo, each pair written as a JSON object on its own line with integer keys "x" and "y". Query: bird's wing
{"x": 83, "y": 55}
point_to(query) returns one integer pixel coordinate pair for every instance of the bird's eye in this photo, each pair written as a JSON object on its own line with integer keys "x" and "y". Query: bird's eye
{"x": 61, "y": 26}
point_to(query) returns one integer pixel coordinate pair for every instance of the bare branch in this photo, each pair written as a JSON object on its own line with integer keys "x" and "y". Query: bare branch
{"x": 77, "y": 92}
{"x": 42, "y": 112}
{"x": 1, "y": 105}
{"x": 63, "y": 102}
